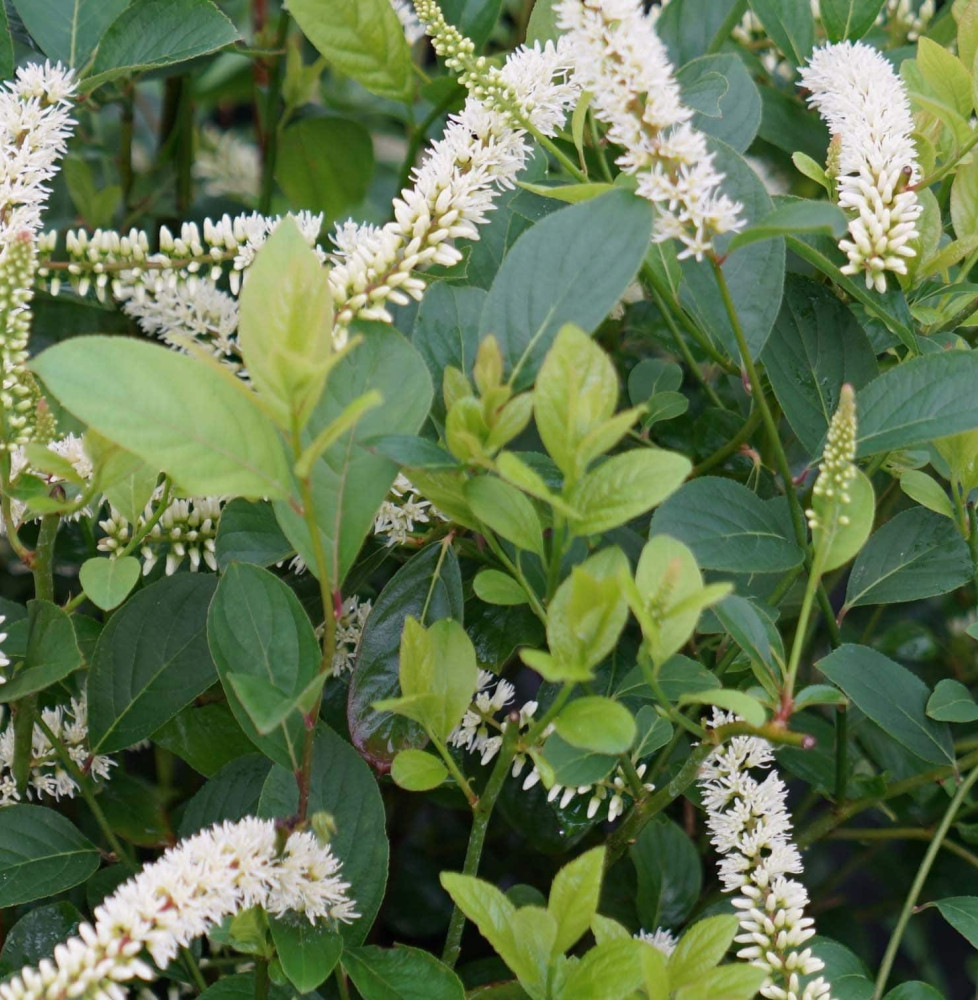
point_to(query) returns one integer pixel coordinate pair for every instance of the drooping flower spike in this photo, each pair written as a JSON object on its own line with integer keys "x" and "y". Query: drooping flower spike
{"x": 872, "y": 158}
{"x": 183, "y": 895}
{"x": 619, "y": 59}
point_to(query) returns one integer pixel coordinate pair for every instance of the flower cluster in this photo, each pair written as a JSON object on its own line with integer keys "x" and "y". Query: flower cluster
{"x": 872, "y": 158}
{"x": 661, "y": 939}
{"x": 402, "y": 510}
{"x": 186, "y": 529}
{"x": 349, "y": 629}
{"x": 481, "y": 733}
{"x": 183, "y": 895}
{"x": 751, "y": 828}
{"x": 72, "y": 449}
{"x": 838, "y": 468}
{"x": 18, "y": 390}
{"x": 619, "y": 59}
{"x": 228, "y": 166}
{"x": 912, "y": 22}
{"x": 483, "y": 149}
{"x": 48, "y": 777}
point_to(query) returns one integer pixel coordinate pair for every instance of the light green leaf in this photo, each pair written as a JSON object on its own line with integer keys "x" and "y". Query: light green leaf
{"x": 574, "y": 897}
{"x": 952, "y": 702}
{"x": 67, "y": 30}
{"x": 173, "y": 411}
{"x": 849, "y": 538}
{"x": 308, "y": 952}
{"x": 738, "y": 702}
{"x": 700, "y": 949}
{"x": 41, "y": 854}
{"x": 598, "y": 724}
{"x": 150, "y": 34}
{"x": 927, "y": 492}
{"x": 495, "y": 587}
{"x": 107, "y": 582}
{"x": 548, "y": 278}
{"x": 737, "y": 981}
{"x": 571, "y": 193}
{"x": 946, "y": 76}
{"x": 151, "y": 660}
{"x": 506, "y": 511}
{"x": 417, "y": 771}
{"x": 364, "y": 40}
{"x": 609, "y": 971}
{"x": 916, "y": 555}
{"x": 625, "y": 486}
{"x": 893, "y": 697}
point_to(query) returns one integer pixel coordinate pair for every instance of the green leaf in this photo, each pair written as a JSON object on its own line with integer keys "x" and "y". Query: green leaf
{"x": 609, "y": 971}
{"x": 916, "y": 555}
{"x": 964, "y": 199}
{"x": 6, "y": 47}
{"x": 700, "y": 949}
{"x": 36, "y": 934}
{"x": 849, "y": 18}
{"x": 754, "y": 274}
{"x": 790, "y": 26}
{"x": 570, "y": 193}
{"x": 151, "y": 660}
{"x": 745, "y": 624}
{"x": 576, "y": 392}
{"x": 41, "y": 854}
{"x": 919, "y": 400}
{"x": 728, "y": 527}
{"x": 624, "y": 486}
{"x": 927, "y": 492}
{"x": 739, "y": 702}
{"x": 961, "y": 912}
{"x": 349, "y": 479}
{"x": 401, "y": 973}
{"x": 107, "y": 582}
{"x": 574, "y": 767}
{"x": 506, "y": 511}
{"x": 233, "y": 793}
{"x": 257, "y": 628}
{"x": 52, "y": 652}
{"x": 248, "y": 532}
{"x": 690, "y": 28}
{"x": 598, "y": 724}
{"x": 173, "y": 411}
{"x": 892, "y": 697}
{"x": 574, "y": 897}
{"x": 737, "y": 981}
{"x": 308, "y": 952}
{"x": 495, "y": 587}
{"x": 151, "y": 34}
{"x": 849, "y": 538}
{"x": 548, "y": 278}
{"x": 476, "y": 19}
{"x": 431, "y": 578}
{"x": 438, "y": 676}
{"x": 66, "y": 30}
{"x": 417, "y": 771}
{"x": 206, "y": 736}
{"x": 669, "y": 874}
{"x": 342, "y": 785}
{"x": 735, "y": 117}
{"x": 952, "y": 702}
{"x": 128, "y": 482}
{"x": 285, "y": 332}
{"x": 364, "y": 40}
{"x": 946, "y": 76}
{"x": 542, "y": 26}
{"x": 332, "y": 185}
{"x": 795, "y": 216}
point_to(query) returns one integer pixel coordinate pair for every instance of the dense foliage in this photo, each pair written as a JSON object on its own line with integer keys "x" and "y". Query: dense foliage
{"x": 489, "y": 512}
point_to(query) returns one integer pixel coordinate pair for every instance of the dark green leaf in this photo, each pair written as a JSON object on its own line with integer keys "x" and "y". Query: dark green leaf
{"x": 548, "y": 278}
{"x": 689, "y": 28}
{"x": 815, "y": 347}
{"x": 342, "y": 785}
{"x": 727, "y": 527}
{"x": 6, "y": 47}
{"x": 893, "y": 697}
{"x": 232, "y": 794}
{"x": 791, "y": 26}
{"x": 249, "y": 532}
{"x": 738, "y": 108}
{"x": 849, "y": 18}
{"x": 430, "y": 579}
{"x": 150, "y": 661}
{"x": 916, "y": 555}
{"x": 206, "y": 736}
{"x": 952, "y": 702}
{"x": 66, "y": 30}
{"x": 670, "y": 874}
{"x": 474, "y": 18}
{"x": 308, "y": 952}
{"x": 35, "y": 935}
{"x": 150, "y": 34}
{"x": 401, "y": 974}
{"x": 41, "y": 854}
{"x": 961, "y": 912}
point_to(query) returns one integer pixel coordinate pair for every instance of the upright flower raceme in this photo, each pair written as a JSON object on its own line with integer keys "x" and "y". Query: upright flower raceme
{"x": 751, "y": 828}
{"x": 188, "y": 892}
{"x": 482, "y": 151}
{"x": 872, "y": 157}
{"x": 618, "y": 58}
{"x": 838, "y": 467}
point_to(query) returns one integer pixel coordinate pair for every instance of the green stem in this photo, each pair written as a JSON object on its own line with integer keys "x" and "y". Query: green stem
{"x": 801, "y": 629}
{"x": 341, "y": 984}
{"x": 918, "y": 883}
{"x": 732, "y": 446}
{"x": 477, "y": 837}
{"x": 729, "y": 23}
{"x": 904, "y": 833}
{"x": 558, "y": 154}
{"x": 261, "y": 979}
{"x": 598, "y": 150}
{"x": 556, "y": 556}
{"x": 514, "y": 569}
{"x": 154, "y": 519}
{"x": 271, "y": 126}
{"x": 43, "y": 563}
{"x": 455, "y": 771}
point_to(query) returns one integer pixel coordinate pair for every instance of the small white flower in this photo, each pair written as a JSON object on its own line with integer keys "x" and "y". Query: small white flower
{"x": 403, "y": 509}
{"x": 661, "y": 939}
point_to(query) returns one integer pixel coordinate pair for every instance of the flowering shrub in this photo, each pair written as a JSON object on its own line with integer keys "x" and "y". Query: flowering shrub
{"x": 488, "y": 499}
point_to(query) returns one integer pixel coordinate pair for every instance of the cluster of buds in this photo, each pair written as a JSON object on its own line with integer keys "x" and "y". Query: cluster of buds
{"x": 186, "y": 529}
{"x": 18, "y": 390}
{"x": 838, "y": 468}
{"x": 349, "y": 630}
